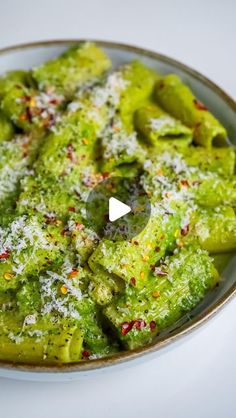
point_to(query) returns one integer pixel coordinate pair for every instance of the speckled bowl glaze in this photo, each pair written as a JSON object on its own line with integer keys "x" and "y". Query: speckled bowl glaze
{"x": 26, "y": 56}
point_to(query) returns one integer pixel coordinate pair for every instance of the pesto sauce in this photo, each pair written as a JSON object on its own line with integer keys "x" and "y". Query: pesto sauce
{"x": 67, "y": 295}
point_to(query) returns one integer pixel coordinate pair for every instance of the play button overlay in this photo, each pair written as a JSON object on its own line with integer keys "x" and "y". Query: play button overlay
{"x": 118, "y": 208}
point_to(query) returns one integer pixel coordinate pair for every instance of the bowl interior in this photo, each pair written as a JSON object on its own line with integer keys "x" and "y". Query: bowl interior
{"x": 223, "y": 108}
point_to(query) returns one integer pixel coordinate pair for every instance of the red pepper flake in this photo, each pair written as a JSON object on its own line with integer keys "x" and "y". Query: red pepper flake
{"x": 23, "y": 117}
{"x": 65, "y": 232}
{"x": 126, "y": 327}
{"x": 152, "y": 325}
{"x": 157, "y": 249}
{"x": 71, "y": 153}
{"x": 139, "y": 324}
{"x": 25, "y": 150}
{"x": 184, "y": 183}
{"x": 46, "y": 123}
{"x": 133, "y": 281}
{"x": 25, "y": 99}
{"x": 105, "y": 175}
{"x": 71, "y": 209}
{"x": 50, "y": 121}
{"x": 79, "y": 226}
{"x": 199, "y": 105}
{"x": 85, "y": 354}
{"x": 55, "y": 101}
{"x": 50, "y": 219}
{"x": 73, "y": 272}
{"x": 5, "y": 255}
{"x": 136, "y": 242}
{"x": 184, "y": 231}
{"x": 30, "y": 114}
{"x": 159, "y": 272}
{"x": 70, "y": 148}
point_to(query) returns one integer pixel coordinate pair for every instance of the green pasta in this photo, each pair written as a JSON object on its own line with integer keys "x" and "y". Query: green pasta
{"x": 11, "y": 79}
{"x": 6, "y": 128}
{"x": 213, "y": 192}
{"x": 157, "y": 126}
{"x": 221, "y": 261}
{"x": 74, "y": 67}
{"x": 219, "y": 160}
{"x": 132, "y": 260}
{"x": 77, "y": 289}
{"x": 26, "y": 247}
{"x": 41, "y": 343}
{"x": 215, "y": 229}
{"x": 178, "y": 100}
{"x": 175, "y": 288}
{"x": 30, "y": 110}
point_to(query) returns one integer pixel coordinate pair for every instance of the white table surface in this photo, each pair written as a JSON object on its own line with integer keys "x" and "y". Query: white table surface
{"x": 197, "y": 378}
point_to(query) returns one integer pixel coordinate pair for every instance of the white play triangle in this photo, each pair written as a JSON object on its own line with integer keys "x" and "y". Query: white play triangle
{"x": 117, "y": 209}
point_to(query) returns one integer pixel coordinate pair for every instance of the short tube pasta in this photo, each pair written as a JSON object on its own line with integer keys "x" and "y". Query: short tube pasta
{"x": 178, "y": 100}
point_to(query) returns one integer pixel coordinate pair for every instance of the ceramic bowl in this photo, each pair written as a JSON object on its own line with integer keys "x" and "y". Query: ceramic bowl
{"x": 224, "y": 108}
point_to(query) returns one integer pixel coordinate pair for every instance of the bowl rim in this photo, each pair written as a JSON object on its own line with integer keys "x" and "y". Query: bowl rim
{"x": 189, "y": 326}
